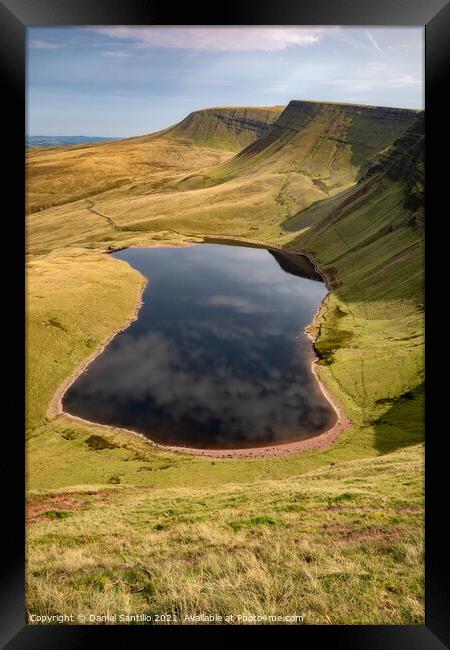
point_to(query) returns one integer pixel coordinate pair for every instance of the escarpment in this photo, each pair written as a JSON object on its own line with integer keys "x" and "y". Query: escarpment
{"x": 331, "y": 143}
{"x": 234, "y": 127}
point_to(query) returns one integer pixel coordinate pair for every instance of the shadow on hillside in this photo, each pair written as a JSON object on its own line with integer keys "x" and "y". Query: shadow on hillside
{"x": 403, "y": 423}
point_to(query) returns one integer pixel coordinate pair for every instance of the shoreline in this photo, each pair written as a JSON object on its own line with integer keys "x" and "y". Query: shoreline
{"x": 55, "y": 407}
{"x": 321, "y": 441}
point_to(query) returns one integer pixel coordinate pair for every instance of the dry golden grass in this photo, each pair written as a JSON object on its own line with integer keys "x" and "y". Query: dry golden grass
{"x": 56, "y": 176}
{"x": 342, "y": 545}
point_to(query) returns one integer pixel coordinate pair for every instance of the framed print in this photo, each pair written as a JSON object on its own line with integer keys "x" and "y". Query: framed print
{"x": 224, "y": 268}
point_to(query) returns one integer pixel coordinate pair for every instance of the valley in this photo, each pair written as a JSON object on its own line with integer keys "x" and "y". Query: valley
{"x": 341, "y": 183}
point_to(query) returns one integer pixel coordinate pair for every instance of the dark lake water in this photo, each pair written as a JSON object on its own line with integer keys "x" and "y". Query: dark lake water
{"x": 217, "y": 357}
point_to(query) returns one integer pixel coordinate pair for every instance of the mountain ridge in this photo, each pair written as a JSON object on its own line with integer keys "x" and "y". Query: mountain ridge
{"x": 230, "y": 126}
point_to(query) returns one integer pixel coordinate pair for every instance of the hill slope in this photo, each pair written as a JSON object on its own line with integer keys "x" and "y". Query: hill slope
{"x": 342, "y": 545}
{"x": 313, "y": 151}
{"x": 204, "y": 138}
{"x": 229, "y": 128}
{"x": 331, "y": 144}
{"x": 369, "y": 239}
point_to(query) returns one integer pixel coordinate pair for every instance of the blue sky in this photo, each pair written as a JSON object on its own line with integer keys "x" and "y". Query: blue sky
{"x": 123, "y": 81}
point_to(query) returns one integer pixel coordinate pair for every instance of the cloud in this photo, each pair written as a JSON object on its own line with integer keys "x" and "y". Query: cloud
{"x": 374, "y": 43}
{"x": 44, "y": 45}
{"x": 242, "y": 305}
{"x": 403, "y": 81}
{"x": 119, "y": 54}
{"x": 364, "y": 82}
{"x": 267, "y": 39}
{"x": 154, "y": 384}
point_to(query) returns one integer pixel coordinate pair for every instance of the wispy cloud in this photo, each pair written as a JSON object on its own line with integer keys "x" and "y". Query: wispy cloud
{"x": 44, "y": 45}
{"x": 241, "y": 305}
{"x": 119, "y": 54}
{"x": 403, "y": 81}
{"x": 374, "y": 43}
{"x": 265, "y": 39}
{"x": 383, "y": 80}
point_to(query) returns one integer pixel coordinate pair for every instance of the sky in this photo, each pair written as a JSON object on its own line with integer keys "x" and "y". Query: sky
{"x": 131, "y": 80}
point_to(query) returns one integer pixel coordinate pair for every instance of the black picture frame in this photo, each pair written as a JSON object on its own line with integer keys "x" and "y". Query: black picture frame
{"x": 15, "y": 17}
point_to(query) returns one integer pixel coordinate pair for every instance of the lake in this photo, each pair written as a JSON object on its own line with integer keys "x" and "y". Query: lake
{"x": 217, "y": 357}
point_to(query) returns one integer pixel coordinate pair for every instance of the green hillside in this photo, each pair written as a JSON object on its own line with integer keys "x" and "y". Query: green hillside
{"x": 370, "y": 242}
{"x": 330, "y": 144}
{"x": 341, "y": 545}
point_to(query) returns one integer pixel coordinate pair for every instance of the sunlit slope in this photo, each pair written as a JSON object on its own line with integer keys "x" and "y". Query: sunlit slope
{"x": 329, "y": 143}
{"x": 56, "y": 176}
{"x": 312, "y": 151}
{"x": 226, "y": 128}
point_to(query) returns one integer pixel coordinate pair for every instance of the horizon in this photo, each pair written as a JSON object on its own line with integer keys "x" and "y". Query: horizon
{"x": 211, "y": 108}
{"x": 121, "y": 82}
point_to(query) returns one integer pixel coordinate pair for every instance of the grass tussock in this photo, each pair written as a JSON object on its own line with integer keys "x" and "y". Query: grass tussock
{"x": 99, "y": 442}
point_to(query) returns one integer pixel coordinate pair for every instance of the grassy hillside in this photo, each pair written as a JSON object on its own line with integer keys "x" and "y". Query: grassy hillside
{"x": 313, "y": 151}
{"x": 67, "y": 174}
{"x": 370, "y": 242}
{"x": 230, "y": 128}
{"x": 340, "y": 545}
{"x": 204, "y": 138}
{"x": 329, "y": 143}
{"x": 357, "y": 205}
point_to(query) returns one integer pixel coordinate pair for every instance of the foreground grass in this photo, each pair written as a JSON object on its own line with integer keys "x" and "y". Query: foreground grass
{"x": 339, "y": 545}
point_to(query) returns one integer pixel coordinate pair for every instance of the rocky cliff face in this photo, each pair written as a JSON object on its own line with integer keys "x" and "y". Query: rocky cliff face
{"x": 405, "y": 161}
{"x": 234, "y": 127}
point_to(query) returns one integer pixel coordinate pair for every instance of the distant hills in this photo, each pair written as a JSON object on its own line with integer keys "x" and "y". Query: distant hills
{"x": 266, "y": 165}
{"x": 62, "y": 140}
